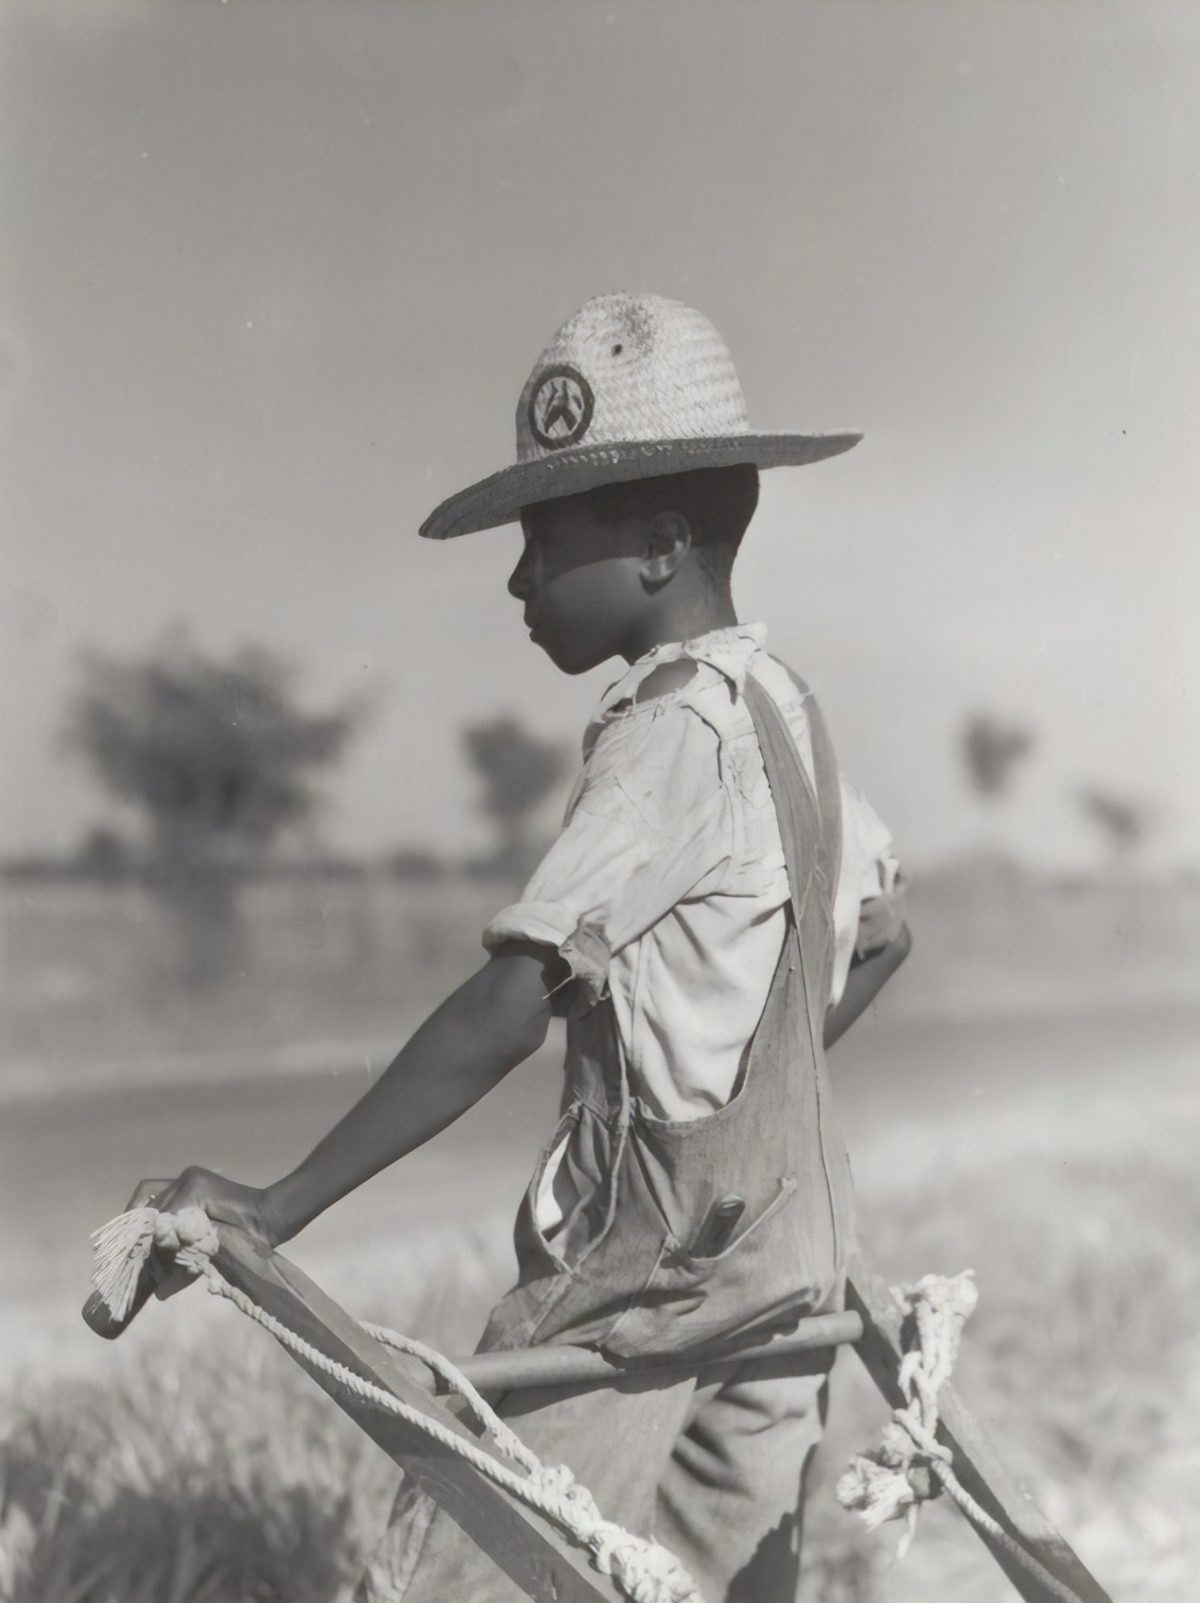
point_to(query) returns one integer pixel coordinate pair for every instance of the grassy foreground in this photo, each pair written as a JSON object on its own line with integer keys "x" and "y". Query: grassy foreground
{"x": 216, "y": 1473}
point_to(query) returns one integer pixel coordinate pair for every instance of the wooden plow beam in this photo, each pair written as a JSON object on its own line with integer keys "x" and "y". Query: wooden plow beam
{"x": 543, "y": 1563}
{"x": 529, "y": 1550}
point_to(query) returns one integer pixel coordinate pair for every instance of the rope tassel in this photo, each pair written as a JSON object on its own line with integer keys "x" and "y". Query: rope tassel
{"x": 121, "y": 1249}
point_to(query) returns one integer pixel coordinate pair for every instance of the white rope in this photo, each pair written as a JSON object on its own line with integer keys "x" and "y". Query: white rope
{"x": 910, "y": 1464}
{"x": 644, "y": 1571}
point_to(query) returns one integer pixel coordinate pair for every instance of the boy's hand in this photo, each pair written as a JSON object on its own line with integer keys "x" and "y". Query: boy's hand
{"x": 880, "y": 920}
{"x": 225, "y": 1201}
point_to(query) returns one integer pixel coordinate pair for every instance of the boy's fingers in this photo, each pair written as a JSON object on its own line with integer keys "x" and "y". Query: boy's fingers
{"x": 165, "y": 1277}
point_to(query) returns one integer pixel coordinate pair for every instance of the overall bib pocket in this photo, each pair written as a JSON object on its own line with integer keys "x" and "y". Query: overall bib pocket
{"x": 691, "y": 1298}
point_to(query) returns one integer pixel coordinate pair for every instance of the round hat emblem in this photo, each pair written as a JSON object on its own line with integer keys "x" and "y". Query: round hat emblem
{"x": 560, "y": 408}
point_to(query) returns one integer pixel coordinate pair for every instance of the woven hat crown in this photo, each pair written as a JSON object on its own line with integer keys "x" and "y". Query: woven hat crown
{"x": 629, "y": 367}
{"x": 631, "y": 387}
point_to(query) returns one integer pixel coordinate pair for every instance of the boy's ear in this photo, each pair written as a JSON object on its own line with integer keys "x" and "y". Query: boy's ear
{"x": 668, "y": 541}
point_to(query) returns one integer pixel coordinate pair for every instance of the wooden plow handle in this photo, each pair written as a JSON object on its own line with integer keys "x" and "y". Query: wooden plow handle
{"x": 96, "y": 1315}
{"x": 531, "y": 1552}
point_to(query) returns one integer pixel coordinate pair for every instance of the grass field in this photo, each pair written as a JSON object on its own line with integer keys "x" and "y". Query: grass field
{"x": 200, "y": 1467}
{"x": 1049, "y": 1147}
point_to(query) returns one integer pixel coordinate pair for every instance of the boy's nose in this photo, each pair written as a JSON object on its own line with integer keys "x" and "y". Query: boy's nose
{"x": 518, "y": 579}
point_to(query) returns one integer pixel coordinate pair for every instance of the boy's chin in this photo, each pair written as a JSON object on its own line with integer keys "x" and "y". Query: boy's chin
{"x": 570, "y": 656}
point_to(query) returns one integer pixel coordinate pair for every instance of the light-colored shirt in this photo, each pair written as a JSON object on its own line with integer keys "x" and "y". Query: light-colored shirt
{"x": 667, "y": 887}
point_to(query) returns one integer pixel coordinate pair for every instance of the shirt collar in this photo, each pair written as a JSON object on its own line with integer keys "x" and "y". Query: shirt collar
{"x": 728, "y": 650}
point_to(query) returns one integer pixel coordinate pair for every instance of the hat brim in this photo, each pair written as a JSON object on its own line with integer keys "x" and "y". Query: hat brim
{"x": 499, "y": 498}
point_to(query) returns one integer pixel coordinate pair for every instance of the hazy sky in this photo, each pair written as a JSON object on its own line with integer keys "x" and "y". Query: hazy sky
{"x": 274, "y": 272}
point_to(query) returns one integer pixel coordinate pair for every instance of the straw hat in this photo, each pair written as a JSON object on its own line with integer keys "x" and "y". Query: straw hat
{"x": 631, "y": 387}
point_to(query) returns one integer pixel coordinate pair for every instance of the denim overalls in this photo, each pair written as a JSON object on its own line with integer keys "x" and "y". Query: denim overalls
{"x": 714, "y": 1466}
{"x": 633, "y": 1269}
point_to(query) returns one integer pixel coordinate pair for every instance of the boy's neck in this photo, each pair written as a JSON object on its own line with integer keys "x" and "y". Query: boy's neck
{"x": 684, "y": 620}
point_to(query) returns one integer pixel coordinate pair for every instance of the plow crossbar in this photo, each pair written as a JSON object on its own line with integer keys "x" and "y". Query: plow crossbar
{"x": 526, "y": 1368}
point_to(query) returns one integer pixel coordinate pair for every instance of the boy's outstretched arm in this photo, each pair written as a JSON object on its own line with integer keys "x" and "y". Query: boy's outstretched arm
{"x": 494, "y": 1021}
{"x": 867, "y": 977}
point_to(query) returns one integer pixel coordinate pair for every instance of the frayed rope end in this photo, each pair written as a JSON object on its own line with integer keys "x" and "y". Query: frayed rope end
{"x": 121, "y": 1248}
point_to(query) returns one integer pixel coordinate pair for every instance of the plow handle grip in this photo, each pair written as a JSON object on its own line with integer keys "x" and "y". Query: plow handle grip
{"x": 96, "y": 1315}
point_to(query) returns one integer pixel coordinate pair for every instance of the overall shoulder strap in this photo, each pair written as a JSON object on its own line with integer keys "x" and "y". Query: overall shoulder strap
{"x": 829, "y": 785}
{"x": 810, "y": 822}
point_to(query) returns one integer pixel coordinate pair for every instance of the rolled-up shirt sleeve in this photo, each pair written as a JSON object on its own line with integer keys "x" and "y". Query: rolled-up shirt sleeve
{"x": 648, "y": 827}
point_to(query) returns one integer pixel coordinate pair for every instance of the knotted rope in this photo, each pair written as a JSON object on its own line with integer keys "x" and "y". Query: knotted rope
{"x": 644, "y": 1571}
{"x": 910, "y": 1465}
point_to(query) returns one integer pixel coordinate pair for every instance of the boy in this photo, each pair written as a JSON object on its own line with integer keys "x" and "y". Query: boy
{"x": 698, "y": 924}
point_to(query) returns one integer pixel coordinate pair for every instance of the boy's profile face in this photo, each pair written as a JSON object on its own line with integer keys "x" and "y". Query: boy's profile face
{"x": 581, "y": 581}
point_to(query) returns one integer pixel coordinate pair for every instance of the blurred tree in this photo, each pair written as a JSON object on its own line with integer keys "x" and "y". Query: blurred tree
{"x": 218, "y": 758}
{"x": 105, "y": 854}
{"x": 518, "y": 772}
{"x": 990, "y": 750}
{"x": 1122, "y": 821}
{"x": 416, "y": 863}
